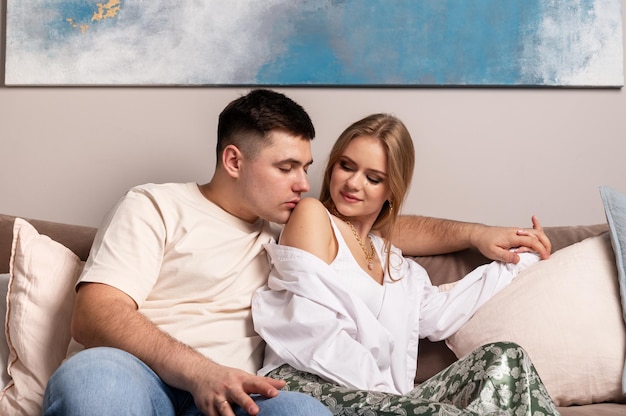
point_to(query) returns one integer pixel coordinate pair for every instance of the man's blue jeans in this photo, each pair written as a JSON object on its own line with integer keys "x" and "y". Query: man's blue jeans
{"x": 108, "y": 381}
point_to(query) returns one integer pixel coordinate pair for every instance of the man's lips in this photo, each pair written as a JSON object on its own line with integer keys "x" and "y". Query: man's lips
{"x": 292, "y": 204}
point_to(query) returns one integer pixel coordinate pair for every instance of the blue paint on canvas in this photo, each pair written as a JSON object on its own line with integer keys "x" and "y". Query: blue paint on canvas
{"x": 303, "y": 42}
{"x": 435, "y": 46}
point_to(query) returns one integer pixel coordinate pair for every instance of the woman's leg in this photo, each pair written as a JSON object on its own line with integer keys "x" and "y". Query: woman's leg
{"x": 496, "y": 378}
{"x": 345, "y": 401}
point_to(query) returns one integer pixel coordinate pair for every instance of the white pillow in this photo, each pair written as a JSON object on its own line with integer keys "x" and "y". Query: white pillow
{"x": 566, "y": 313}
{"x": 4, "y": 347}
{"x": 40, "y": 301}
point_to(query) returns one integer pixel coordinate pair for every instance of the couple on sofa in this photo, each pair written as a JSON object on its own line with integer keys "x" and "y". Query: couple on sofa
{"x": 164, "y": 303}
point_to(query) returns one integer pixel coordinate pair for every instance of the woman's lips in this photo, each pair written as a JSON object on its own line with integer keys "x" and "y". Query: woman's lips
{"x": 349, "y": 197}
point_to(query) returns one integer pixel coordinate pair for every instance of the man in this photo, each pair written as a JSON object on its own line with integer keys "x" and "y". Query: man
{"x": 163, "y": 305}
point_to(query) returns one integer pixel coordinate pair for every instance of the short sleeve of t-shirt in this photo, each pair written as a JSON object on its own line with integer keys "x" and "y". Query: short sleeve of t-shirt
{"x": 128, "y": 248}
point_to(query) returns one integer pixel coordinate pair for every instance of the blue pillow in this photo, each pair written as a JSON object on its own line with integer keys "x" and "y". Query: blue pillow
{"x": 615, "y": 210}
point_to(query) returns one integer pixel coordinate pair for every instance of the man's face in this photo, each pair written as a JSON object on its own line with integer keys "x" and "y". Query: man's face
{"x": 272, "y": 183}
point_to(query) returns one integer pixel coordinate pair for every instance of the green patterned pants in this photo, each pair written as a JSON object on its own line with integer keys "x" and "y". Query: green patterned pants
{"x": 495, "y": 379}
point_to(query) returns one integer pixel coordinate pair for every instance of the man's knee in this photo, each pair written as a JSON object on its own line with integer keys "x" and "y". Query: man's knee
{"x": 292, "y": 403}
{"x": 102, "y": 381}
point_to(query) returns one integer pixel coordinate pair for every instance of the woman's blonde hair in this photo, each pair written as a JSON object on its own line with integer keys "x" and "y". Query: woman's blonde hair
{"x": 398, "y": 145}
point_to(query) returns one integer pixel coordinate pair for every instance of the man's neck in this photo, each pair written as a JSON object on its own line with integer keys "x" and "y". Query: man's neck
{"x": 221, "y": 195}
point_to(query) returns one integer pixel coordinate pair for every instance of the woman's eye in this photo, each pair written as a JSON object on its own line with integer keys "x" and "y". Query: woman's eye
{"x": 374, "y": 180}
{"x": 344, "y": 166}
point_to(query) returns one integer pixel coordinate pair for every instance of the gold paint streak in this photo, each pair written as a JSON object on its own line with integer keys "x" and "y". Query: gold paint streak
{"x": 106, "y": 10}
{"x": 83, "y": 28}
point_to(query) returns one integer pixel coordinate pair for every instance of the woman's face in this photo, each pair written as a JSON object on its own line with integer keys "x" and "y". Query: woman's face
{"x": 358, "y": 184}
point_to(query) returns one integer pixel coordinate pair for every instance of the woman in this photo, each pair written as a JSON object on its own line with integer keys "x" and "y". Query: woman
{"x": 343, "y": 311}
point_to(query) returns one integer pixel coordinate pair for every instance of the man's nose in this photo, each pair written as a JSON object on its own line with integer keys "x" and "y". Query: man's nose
{"x": 302, "y": 184}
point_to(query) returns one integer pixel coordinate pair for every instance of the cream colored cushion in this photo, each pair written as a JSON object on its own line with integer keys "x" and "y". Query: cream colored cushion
{"x": 39, "y": 308}
{"x": 566, "y": 313}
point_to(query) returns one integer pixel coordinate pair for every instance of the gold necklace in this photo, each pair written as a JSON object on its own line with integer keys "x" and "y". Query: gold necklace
{"x": 368, "y": 256}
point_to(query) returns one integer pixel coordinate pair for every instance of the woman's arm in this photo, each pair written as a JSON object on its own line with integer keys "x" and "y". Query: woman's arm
{"x": 444, "y": 313}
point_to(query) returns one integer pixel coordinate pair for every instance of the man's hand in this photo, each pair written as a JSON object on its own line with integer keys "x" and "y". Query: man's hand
{"x": 103, "y": 315}
{"x": 217, "y": 388}
{"x": 504, "y": 243}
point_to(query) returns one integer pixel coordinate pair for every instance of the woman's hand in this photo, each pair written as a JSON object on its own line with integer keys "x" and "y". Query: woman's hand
{"x": 504, "y": 243}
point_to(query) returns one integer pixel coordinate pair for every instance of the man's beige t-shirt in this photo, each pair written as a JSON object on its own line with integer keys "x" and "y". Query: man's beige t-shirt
{"x": 190, "y": 266}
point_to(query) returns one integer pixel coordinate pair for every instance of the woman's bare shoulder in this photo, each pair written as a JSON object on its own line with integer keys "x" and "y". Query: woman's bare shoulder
{"x": 308, "y": 206}
{"x": 309, "y": 228}
{"x": 307, "y": 215}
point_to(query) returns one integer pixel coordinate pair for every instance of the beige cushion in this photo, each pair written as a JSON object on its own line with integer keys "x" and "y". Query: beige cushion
{"x": 566, "y": 313}
{"x": 39, "y": 302}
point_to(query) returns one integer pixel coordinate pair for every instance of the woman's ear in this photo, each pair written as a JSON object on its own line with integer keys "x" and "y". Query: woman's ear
{"x": 231, "y": 160}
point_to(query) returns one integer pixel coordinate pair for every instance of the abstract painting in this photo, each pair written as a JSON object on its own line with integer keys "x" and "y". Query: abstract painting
{"x": 547, "y": 43}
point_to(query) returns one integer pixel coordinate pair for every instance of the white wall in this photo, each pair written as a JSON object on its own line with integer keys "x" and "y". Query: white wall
{"x": 488, "y": 155}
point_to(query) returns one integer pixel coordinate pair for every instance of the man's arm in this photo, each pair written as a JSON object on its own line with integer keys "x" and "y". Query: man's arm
{"x": 106, "y": 316}
{"x": 422, "y": 236}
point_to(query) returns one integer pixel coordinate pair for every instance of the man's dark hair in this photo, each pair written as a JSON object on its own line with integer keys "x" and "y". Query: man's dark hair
{"x": 247, "y": 121}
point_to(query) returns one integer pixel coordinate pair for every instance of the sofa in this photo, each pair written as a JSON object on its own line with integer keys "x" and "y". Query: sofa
{"x": 38, "y": 247}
